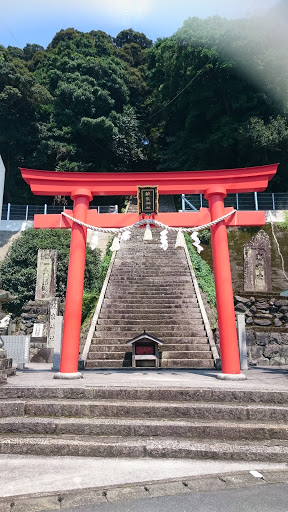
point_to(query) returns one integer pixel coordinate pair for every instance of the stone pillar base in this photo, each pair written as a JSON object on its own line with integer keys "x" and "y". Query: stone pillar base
{"x": 231, "y": 376}
{"x": 68, "y": 376}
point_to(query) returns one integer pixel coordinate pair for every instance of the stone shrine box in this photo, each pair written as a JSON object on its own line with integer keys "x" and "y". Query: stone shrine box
{"x": 145, "y": 350}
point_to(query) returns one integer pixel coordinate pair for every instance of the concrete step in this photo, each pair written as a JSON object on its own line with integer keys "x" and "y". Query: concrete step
{"x": 216, "y": 430}
{"x": 90, "y": 446}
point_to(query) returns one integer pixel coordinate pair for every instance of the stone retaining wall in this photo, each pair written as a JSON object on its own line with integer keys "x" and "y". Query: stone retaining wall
{"x": 266, "y": 329}
{"x": 267, "y": 348}
{"x": 264, "y": 312}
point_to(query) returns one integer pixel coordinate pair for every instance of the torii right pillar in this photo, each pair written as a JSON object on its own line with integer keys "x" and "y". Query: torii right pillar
{"x": 223, "y": 285}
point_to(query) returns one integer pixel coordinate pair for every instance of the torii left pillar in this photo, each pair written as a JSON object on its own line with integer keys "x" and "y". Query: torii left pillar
{"x": 74, "y": 292}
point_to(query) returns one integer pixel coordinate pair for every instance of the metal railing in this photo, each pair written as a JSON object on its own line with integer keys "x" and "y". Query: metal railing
{"x": 27, "y": 212}
{"x": 251, "y": 201}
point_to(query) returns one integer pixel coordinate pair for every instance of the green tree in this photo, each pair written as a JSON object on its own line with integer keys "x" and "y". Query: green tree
{"x": 203, "y": 98}
{"x": 18, "y": 270}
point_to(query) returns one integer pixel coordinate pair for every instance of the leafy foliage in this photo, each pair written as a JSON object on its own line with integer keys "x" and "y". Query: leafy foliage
{"x": 284, "y": 224}
{"x": 90, "y": 298}
{"x": 203, "y": 273}
{"x": 213, "y": 95}
{"x": 18, "y": 270}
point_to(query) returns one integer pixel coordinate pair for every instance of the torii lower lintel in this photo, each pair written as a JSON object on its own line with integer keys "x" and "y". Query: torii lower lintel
{"x": 174, "y": 220}
{"x": 214, "y": 184}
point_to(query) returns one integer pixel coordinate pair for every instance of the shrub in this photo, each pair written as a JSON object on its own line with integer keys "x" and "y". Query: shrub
{"x": 19, "y": 268}
{"x": 203, "y": 272}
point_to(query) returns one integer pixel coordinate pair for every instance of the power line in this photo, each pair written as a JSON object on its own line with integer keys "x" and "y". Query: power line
{"x": 182, "y": 90}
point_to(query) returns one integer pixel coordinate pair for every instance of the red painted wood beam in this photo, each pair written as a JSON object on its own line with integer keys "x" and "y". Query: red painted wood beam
{"x": 176, "y": 220}
{"x": 248, "y": 179}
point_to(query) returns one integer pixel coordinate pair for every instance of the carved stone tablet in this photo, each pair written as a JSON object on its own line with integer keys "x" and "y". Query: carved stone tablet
{"x": 257, "y": 264}
{"x": 46, "y": 274}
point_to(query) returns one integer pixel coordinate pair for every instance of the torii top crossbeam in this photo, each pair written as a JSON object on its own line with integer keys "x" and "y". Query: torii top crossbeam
{"x": 249, "y": 179}
{"x": 215, "y": 185}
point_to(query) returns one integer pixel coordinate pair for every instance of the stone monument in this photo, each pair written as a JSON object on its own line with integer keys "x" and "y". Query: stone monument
{"x": 46, "y": 274}
{"x": 257, "y": 264}
{"x": 39, "y": 316}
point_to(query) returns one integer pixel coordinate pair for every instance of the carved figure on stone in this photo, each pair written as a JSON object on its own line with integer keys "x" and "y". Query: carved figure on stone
{"x": 257, "y": 264}
{"x": 259, "y": 271}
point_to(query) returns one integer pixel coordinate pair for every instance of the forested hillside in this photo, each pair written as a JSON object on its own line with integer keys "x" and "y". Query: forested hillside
{"x": 212, "y": 95}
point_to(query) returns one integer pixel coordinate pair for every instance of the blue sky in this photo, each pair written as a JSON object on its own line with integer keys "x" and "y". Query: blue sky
{"x": 28, "y": 21}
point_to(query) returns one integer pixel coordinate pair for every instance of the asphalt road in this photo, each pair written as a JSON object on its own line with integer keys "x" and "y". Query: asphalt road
{"x": 258, "y": 498}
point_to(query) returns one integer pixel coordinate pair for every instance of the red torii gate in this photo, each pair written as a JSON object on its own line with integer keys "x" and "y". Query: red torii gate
{"x": 215, "y": 185}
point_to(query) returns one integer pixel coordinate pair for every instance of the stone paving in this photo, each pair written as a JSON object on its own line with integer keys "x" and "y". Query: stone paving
{"x": 264, "y": 378}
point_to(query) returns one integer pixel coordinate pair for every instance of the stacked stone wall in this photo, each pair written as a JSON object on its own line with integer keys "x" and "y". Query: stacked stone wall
{"x": 263, "y": 311}
{"x": 266, "y": 328}
{"x": 267, "y": 348}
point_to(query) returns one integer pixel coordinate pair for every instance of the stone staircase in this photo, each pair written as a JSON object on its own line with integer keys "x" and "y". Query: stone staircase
{"x": 152, "y": 290}
{"x": 160, "y": 422}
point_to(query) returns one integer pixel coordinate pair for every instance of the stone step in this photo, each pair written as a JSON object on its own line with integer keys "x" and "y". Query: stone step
{"x": 152, "y": 291}
{"x": 150, "y": 309}
{"x": 120, "y": 355}
{"x": 187, "y": 363}
{"x": 153, "y": 286}
{"x": 236, "y": 395}
{"x": 188, "y": 354}
{"x": 169, "y": 293}
{"x": 121, "y": 347}
{"x": 149, "y": 315}
{"x": 153, "y": 328}
{"x": 156, "y": 265}
{"x": 121, "y": 341}
{"x": 90, "y": 446}
{"x": 153, "y": 296}
{"x": 144, "y": 409}
{"x": 216, "y": 430}
{"x": 173, "y": 364}
{"x": 157, "y": 276}
{"x": 163, "y": 335}
{"x": 166, "y": 356}
{"x": 157, "y": 320}
{"x": 146, "y": 301}
{"x": 108, "y": 363}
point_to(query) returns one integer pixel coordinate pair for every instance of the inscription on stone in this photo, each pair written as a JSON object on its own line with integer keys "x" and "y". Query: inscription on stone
{"x": 17, "y": 347}
{"x": 53, "y": 313}
{"x": 37, "y": 330}
{"x": 257, "y": 264}
{"x": 46, "y": 274}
